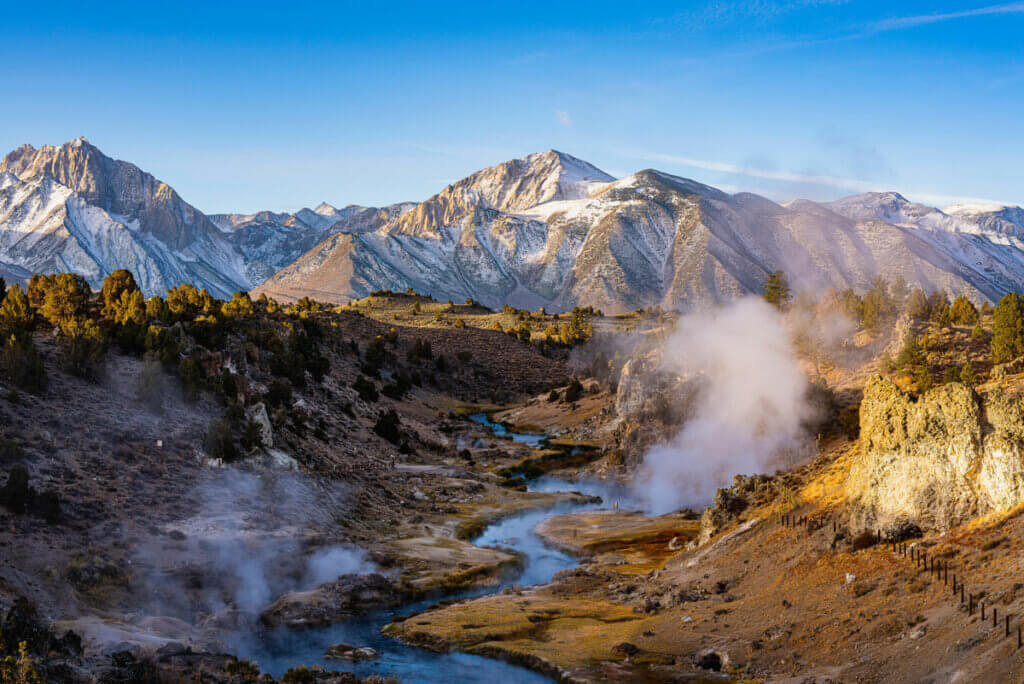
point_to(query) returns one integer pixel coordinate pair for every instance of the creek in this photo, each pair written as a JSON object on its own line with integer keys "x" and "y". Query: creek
{"x": 277, "y": 650}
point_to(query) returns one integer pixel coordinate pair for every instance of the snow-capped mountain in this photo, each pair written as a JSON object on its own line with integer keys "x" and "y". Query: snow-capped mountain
{"x": 545, "y": 230}
{"x": 551, "y": 230}
{"x": 72, "y": 208}
{"x": 270, "y": 241}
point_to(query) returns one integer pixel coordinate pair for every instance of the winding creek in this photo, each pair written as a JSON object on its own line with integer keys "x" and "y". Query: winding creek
{"x": 276, "y": 651}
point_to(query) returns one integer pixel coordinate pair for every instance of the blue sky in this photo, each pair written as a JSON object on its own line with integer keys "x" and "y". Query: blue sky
{"x": 280, "y": 105}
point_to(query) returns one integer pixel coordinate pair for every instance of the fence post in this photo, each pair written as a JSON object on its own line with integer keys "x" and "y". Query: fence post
{"x": 982, "y": 610}
{"x": 995, "y": 619}
{"x": 1007, "y": 618}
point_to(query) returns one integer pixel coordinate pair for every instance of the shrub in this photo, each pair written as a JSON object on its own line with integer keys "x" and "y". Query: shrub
{"x": 20, "y": 669}
{"x": 279, "y": 393}
{"x": 159, "y": 343}
{"x": 243, "y": 669}
{"x": 298, "y": 675}
{"x": 388, "y": 426}
{"x": 420, "y": 350}
{"x": 553, "y": 395}
{"x": 967, "y": 375}
{"x": 252, "y": 435}
{"x": 22, "y": 364}
{"x": 366, "y": 389}
{"x": 191, "y": 374}
{"x": 864, "y": 540}
{"x": 220, "y": 442}
{"x": 849, "y": 420}
{"x": 464, "y": 355}
{"x": 776, "y": 290}
{"x": 240, "y": 306}
{"x": 574, "y": 391}
{"x": 84, "y": 345}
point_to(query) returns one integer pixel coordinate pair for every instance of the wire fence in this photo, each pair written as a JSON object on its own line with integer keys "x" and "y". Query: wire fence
{"x": 939, "y": 569}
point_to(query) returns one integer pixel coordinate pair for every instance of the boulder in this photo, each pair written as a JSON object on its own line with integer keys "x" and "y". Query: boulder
{"x": 332, "y": 602}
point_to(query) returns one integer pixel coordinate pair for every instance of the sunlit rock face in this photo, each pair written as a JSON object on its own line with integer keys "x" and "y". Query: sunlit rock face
{"x": 938, "y": 460}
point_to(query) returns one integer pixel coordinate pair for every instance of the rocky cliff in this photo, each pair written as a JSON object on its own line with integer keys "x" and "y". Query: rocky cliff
{"x": 937, "y": 460}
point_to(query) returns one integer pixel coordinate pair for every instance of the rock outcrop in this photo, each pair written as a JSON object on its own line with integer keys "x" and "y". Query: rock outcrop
{"x": 332, "y": 602}
{"x": 937, "y": 460}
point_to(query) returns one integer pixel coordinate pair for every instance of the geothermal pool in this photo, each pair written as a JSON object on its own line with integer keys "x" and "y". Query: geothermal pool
{"x": 277, "y": 650}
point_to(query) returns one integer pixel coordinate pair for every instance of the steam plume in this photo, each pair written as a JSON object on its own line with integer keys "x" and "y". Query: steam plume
{"x": 749, "y": 406}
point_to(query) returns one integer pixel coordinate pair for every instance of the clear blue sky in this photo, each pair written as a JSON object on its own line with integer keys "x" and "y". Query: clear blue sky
{"x": 281, "y": 105}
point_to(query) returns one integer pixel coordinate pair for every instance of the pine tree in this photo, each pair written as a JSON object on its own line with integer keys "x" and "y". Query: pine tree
{"x": 16, "y": 318}
{"x": 877, "y": 307}
{"x": 963, "y": 311}
{"x": 776, "y": 290}
{"x": 65, "y": 299}
{"x": 115, "y": 285}
{"x": 917, "y": 305}
{"x": 1008, "y": 328}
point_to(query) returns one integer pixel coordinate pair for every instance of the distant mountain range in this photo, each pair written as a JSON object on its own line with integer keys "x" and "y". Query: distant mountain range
{"x": 545, "y": 230}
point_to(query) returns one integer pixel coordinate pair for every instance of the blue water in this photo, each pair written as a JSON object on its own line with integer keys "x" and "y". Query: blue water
{"x": 532, "y": 440}
{"x": 278, "y": 650}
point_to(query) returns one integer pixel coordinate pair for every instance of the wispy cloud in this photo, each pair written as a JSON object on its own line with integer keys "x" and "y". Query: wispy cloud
{"x": 899, "y": 23}
{"x": 839, "y": 183}
{"x": 563, "y": 118}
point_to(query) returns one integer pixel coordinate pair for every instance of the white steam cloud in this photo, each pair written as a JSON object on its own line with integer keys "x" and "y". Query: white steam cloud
{"x": 748, "y": 409}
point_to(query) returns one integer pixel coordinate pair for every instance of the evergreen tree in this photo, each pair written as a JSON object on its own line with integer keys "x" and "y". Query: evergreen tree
{"x": 851, "y": 304}
{"x": 877, "y": 307}
{"x": 776, "y": 290}
{"x": 114, "y": 285}
{"x": 3, "y": 289}
{"x": 36, "y": 290}
{"x": 16, "y": 318}
{"x": 240, "y": 306}
{"x": 65, "y": 299}
{"x": 963, "y": 311}
{"x": 917, "y": 305}
{"x": 1008, "y": 328}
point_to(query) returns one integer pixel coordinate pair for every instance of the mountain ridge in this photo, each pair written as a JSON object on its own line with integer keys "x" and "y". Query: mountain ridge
{"x": 547, "y": 229}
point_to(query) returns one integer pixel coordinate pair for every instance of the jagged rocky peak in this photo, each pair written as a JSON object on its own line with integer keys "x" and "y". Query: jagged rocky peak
{"x": 510, "y": 187}
{"x": 115, "y": 186}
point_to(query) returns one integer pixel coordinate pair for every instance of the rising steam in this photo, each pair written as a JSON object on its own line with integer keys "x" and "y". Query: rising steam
{"x": 748, "y": 409}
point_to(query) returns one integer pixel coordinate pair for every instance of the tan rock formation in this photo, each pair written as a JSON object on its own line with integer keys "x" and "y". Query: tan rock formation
{"x": 937, "y": 460}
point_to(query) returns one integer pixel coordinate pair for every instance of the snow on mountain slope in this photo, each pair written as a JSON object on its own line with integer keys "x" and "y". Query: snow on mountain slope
{"x": 521, "y": 233}
{"x": 547, "y": 229}
{"x": 73, "y": 208}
